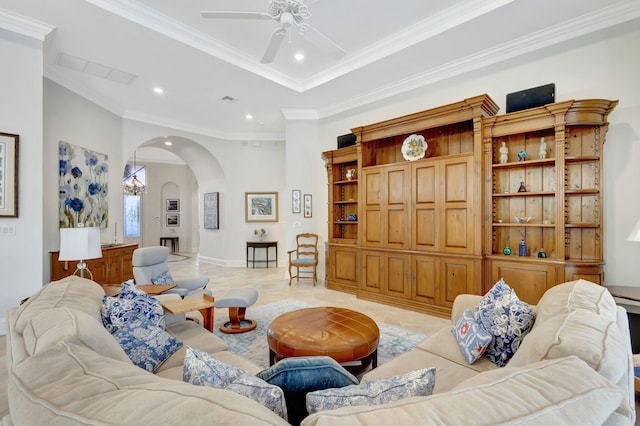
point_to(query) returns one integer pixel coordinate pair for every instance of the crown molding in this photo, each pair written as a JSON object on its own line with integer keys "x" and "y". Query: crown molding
{"x": 604, "y": 18}
{"x": 300, "y": 114}
{"x": 149, "y": 18}
{"x": 28, "y": 27}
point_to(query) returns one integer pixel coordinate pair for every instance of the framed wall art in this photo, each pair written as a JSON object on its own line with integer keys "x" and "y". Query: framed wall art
{"x": 173, "y": 205}
{"x": 307, "y": 205}
{"x": 261, "y": 206}
{"x": 211, "y": 204}
{"x": 9, "y": 175}
{"x": 173, "y": 219}
{"x": 295, "y": 201}
{"x": 83, "y": 184}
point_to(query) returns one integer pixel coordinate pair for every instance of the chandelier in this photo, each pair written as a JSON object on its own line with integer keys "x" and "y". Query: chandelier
{"x": 133, "y": 186}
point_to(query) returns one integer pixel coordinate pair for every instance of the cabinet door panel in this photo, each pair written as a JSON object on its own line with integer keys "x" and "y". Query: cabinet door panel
{"x": 396, "y": 228}
{"x": 344, "y": 261}
{"x": 372, "y": 264}
{"x": 458, "y": 278}
{"x": 372, "y": 193}
{"x": 397, "y": 282}
{"x": 529, "y": 281}
{"x": 456, "y": 182}
{"x": 456, "y": 228}
{"x": 425, "y": 279}
{"x": 396, "y": 184}
{"x": 372, "y": 228}
{"x": 424, "y": 225}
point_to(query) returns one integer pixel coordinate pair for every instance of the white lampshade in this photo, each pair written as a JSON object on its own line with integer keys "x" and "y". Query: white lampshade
{"x": 635, "y": 234}
{"x": 79, "y": 243}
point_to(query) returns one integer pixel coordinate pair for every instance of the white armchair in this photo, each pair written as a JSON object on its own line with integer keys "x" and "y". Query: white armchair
{"x": 150, "y": 267}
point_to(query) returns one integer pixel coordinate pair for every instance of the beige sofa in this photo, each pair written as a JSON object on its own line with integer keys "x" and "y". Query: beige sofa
{"x": 65, "y": 368}
{"x": 574, "y": 367}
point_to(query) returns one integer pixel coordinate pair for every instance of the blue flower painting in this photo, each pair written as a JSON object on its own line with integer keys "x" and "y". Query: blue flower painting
{"x": 83, "y": 179}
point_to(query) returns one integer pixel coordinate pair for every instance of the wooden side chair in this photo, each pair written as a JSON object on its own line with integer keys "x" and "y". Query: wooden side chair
{"x": 305, "y": 256}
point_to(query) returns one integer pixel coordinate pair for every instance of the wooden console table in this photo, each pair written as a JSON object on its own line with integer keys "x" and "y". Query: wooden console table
{"x": 265, "y": 245}
{"x": 174, "y": 241}
{"x": 115, "y": 265}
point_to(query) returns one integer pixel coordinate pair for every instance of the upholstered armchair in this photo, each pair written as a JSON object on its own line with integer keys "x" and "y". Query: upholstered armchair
{"x": 150, "y": 267}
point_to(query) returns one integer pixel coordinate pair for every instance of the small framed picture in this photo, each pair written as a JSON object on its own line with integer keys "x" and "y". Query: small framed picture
{"x": 173, "y": 219}
{"x": 308, "y": 210}
{"x": 173, "y": 205}
{"x": 296, "y": 202}
{"x": 261, "y": 206}
{"x": 211, "y": 210}
{"x": 8, "y": 175}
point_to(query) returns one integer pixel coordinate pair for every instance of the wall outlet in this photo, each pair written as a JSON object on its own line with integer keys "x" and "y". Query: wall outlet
{"x": 7, "y": 230}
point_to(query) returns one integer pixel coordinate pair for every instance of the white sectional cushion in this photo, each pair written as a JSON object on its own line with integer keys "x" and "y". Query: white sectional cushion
{"x": 58, "y": 324}
{"x": 73, "y": 292}
{"x": 580, "y": 294}
{"x": 596, "y": 340}
{"x": 539, "y": 394}
{"x": 73, "y": 385}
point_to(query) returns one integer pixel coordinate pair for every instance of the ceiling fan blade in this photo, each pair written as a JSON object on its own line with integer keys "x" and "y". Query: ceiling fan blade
{"x": 274, "y": 46}
{"x": 235, "y": 15}
{"x": 323, "y": 42}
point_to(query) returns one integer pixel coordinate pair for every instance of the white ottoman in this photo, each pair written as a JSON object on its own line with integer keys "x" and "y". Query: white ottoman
{"x": 237, "y": 300}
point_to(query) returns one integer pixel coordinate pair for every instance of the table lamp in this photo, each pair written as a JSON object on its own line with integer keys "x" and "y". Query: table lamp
{"x": 635, "y": 234}
{"x": 80, "y": 244}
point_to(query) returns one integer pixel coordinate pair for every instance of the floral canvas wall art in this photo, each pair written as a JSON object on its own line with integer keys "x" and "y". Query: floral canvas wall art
{"x": 83, "y": 180}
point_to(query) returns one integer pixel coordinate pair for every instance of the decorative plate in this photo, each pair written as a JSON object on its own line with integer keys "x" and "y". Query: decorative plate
{"x": 414, "y": 147}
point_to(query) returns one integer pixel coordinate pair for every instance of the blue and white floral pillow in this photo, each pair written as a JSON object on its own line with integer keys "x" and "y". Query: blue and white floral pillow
{"x": 163, "y": 278}
{"x": 203, "y": 369}
{"x": 507, "y": 318}
{"x": 472, "y": 338}
{"x": 146, "y": 344}
{"x": 375, "y": 392}
{"x": 131, "y": 305}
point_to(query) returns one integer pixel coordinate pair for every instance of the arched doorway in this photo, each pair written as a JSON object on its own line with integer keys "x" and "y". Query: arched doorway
{"x": 176, "y": 169}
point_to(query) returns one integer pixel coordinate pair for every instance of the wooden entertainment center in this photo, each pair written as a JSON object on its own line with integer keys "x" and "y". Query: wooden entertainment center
{"x": 415, "y": 234}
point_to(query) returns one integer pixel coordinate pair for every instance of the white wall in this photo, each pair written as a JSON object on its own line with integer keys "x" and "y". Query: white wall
{"x": 21, "y": 256}
{"x": 602, "y": 65}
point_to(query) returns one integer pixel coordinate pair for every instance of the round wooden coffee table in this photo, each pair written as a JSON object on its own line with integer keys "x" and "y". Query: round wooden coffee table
{"x": 349, "y": 337}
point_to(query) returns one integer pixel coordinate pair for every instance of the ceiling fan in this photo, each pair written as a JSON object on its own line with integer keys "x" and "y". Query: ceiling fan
{"x": 286, "y": 13}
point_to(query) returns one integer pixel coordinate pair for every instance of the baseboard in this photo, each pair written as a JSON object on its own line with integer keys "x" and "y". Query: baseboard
{"x": 222, "y": 262}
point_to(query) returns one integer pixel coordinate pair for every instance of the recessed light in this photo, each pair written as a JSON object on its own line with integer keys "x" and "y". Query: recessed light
{"x": 168, "y": 143}
{"x": 299, "y": 57}
{"x": 249, "y": 117}
{"x": 158, "y": 90}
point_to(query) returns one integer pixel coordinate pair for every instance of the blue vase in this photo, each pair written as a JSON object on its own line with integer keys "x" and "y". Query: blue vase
{"x": 522, "y": 248}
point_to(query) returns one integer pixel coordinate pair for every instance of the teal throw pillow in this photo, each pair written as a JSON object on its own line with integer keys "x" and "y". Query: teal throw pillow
{"x": 472, "y": 338}
{"x": 203, "y": 369}
{"x": 376, "y": 392}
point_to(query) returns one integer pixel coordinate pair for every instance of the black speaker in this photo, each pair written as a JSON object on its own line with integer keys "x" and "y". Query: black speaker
{"x": 531, "y": 98}
{"x": 346, "y": 140}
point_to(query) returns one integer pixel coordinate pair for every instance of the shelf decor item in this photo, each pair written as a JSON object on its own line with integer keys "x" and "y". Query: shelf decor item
{"x": 522, "y": 248}
{"x": 504, "y": 153}
{"x": 506, "y": 250}
{"x": 542, "y": 151}
{"x": 542, "y": 254}
{"x": 414, "y": 147}
{"x": 522, "y": 188}
{"x": 522, "y": 155}
{"x": 351, "y": 173}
